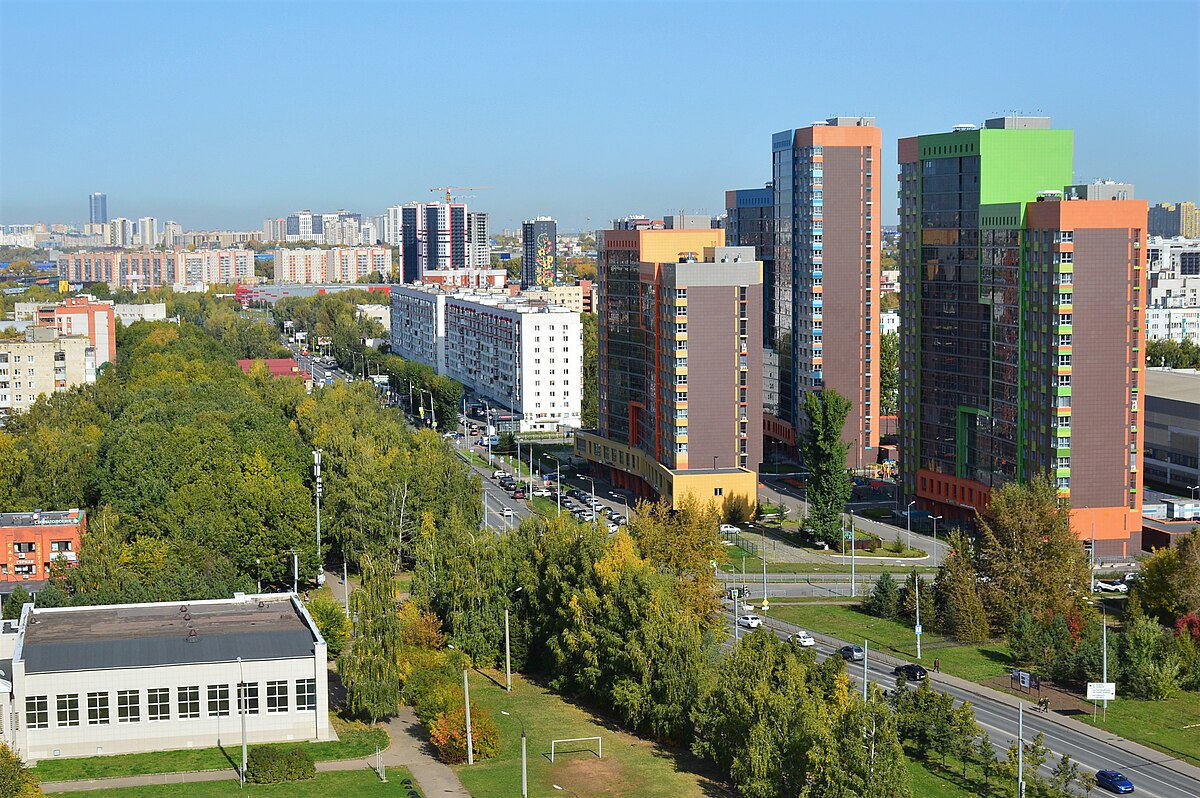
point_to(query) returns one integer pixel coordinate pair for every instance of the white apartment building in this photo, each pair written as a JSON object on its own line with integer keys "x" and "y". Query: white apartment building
{"x": 1175, "y": 324}
{"x": 1173, "y": 271}
{"x": 120, "y": 232}
{"x": 523, "y": 356}
{"x": 147, "y": 232}
{"x": 150, "y": 311}
{"x": 889, "y": 322}
{"x": 214, "y": 266}
{"x": 43, "y": 363}
{"x": 338, "y": 265}
{"x": 87, "y": 681}
{"x": 479, "y": 244}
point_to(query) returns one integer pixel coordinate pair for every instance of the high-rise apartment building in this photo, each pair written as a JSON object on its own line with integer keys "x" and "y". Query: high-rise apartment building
{"x": 827, "y": 273}
{"x": 1023, "y": 328}
{"x": 750, "y": 222}
{"x": 98, "y": 208}
{"x": 336, "y": 265}
{"x": 1171, "y": 220}
{"x": 479, "y": 244}
{"x": 680, "y": 364}
{"x": 412, "y": 235}
{"x": 147, "y": 232}
{"x": 119, "y": 232}
{"x": 539, "y": 250}
{"x": 275, "y": 230}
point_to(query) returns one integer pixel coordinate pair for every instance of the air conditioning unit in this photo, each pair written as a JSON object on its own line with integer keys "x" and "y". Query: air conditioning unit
{"x": 20, "y": 555}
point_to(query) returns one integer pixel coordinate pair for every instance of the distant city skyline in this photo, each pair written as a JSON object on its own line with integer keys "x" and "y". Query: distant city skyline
{"x": 625, "y": 119}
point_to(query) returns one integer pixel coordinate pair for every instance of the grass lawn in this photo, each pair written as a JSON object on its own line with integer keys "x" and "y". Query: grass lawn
{"x": 350, "y": 782}
{"x": 356, "y": 740}
{"x": 933, "y": 781}
{"x": 968, "y": 662}
{"x": 631, "y": 765}
{"x": 543, "y": 506}
{"x": 1158, "y": 724}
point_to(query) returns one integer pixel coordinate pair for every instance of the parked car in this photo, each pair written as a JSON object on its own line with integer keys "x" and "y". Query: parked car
{"x": 911, "y": 672}
{"x": 519, "y": 493}
{"x": 612, "y": 528}
{"x": 543, "y": 492}
{"x": 802, "y": 639}
{"x": 1111, "y": 586}
{"x": 750, "y": 621}
{"x": 851, "y": 653}
{"x": 499, "y": 474}
{"x": 1114, "y": 781}
{"x": 619, "y": 519}
{"x": 730, "y": 529}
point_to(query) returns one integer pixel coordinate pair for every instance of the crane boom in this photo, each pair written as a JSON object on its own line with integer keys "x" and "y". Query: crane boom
{"x": 448, "y": 189}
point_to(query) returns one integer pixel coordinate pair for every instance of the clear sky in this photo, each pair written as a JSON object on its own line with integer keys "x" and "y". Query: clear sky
{"x": 219, "y": 114}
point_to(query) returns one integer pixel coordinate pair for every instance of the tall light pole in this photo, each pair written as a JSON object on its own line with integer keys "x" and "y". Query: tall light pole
{"x": 908, "y": 520}
{"x": 467, "y": 706}
{"x": 507, "y": 650}
{"x": 917, "y": 628}
{"x": 1193, "y": 489}
{"x": 936, "y": 518}
{"x": 241, "y": 691}
{"x": 317, "y": 489}
{"x": 853, "y": 587}
{"x": 558, "y": 481}
{"x": 593, "y": 483}
{"x": 524, "y": 772}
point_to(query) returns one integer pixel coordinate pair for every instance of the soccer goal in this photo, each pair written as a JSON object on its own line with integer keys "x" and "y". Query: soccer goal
{"x": 599, "y": 745}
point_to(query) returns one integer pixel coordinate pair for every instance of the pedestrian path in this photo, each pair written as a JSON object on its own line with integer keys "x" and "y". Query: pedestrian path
{"x": 409, "y": 749}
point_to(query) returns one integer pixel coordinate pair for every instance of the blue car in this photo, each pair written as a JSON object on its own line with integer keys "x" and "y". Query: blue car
{"x": 1113, "y": 780}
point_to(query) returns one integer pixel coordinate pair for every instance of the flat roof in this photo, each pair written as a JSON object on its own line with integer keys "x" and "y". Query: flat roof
{"x": 147, "y": 635}
{"x": 41, "y": 518}
{"x": 1181, "y": 385}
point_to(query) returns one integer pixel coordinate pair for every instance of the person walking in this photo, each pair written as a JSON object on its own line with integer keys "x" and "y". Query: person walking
{"x": 937, "y": 665}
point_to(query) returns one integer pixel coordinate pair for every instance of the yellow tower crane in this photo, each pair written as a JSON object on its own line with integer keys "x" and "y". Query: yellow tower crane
{"x": 448, "y": 189}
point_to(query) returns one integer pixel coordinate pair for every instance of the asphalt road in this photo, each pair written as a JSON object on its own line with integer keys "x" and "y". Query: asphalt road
{"x": 1154, "y": 774}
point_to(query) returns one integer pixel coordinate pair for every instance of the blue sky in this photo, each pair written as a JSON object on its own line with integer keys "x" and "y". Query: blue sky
{"x": 219, "y": 114}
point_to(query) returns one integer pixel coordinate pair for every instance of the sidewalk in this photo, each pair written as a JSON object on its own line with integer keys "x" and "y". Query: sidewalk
{"x": 409, "y": 749}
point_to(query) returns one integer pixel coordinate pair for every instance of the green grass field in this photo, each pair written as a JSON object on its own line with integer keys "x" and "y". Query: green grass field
{"x": 631, "y": 766}
{"x": 356, "y": 740}
{"x": 846, "y": 622}
{"x": 348, "y": 783}
{"x": 543, "y": 506}
{"x": 1158, "y": 724}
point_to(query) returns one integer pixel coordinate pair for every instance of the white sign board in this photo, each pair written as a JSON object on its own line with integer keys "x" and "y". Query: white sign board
{"x": 1101, "y": 691}
{"x": 918, "y": 630}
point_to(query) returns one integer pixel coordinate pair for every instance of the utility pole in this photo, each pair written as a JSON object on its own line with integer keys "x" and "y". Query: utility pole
{"x": 853, "y": 586}
{"x": 507, "y": 656}
{"x": 866, "y": 656}
{"x": 241, "y": 691}
{"x": 917, "y": 628}
{"x": 467, "y": 705}
{"x": 1104, "y": 660}
{"x": 1020, "y": 750}
{"x": 524, "y": 772}
{"x": 346, "y": 584}
{"x": 295, "y": 571}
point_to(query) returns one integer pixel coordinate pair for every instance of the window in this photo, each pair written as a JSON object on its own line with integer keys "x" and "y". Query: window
{"x": 68, "y": 709}
{"x": 189, "y": 702}
{"x": 1064, "y": 421}
{"x": 277, "y": 696}
{"x": 218, "y": 700}
{"x": 1062, "y": 462}
{"x": 97, "y": 709}
{"x": 718, "y": 491}
{"x": 158, "y": 703}
{"x": 1064, "y": 360}
{"x": 37, "y": 712}
{"x": 248, "y": 698}
{"x": 306, "y": 694}
{"x": 129, "y": 706}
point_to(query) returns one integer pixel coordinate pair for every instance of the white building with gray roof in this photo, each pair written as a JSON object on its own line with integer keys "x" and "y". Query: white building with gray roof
{"x": 117, "y": 679}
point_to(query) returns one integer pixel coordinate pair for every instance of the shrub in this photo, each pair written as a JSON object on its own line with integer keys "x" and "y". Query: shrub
{"x": 431, "y": 693}
{"x": 270, "y": 765}
{"x": 330, "y": 618}
{"x": 449, "y": 735}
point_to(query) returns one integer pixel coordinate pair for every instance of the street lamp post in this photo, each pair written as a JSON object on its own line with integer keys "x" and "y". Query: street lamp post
{"x": 908, "y": 520}
{"x": 917, "y": 628}
{"x": 241, "y": 700}
{"x": 853, "y": 587}
{"x": 1193, "y": 489}
{"x": 558, "y": 481}
{"x": 936, "y": 518}
{"x": 317, "y": 488}
{"x": 467, "y": 709}
{"x": 593, "y": 483}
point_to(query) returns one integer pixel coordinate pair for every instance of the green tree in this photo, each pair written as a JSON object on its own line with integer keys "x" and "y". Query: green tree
{"x": 590, "y": 406}
{"x": 956, "y": 589}
{"x": 16, "y": 780}
{"x": 1029, "y": 555}
{"x": 884, "y": 601}
{"x": 15, "y": 601}
{"x": 1149, "y": 667}
{"x": 986, "y": 755}
{"x": 1063, "y": 777}
{"x": 332, "y": 622}
{"x": 889, "y": 370}
{"x": 1154, "y": 588}
{"x": 829, "y": 485}
{"x": 370, "y": 667}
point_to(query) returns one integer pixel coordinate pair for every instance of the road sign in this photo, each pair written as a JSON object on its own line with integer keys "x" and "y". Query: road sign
{"x": 1101, "y": 691}
{"x": 918, "y": 628}
{"x": 735, "y": 593}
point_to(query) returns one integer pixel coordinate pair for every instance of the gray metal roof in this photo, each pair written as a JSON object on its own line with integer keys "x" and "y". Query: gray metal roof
{"x": 173, "y": 634}
{"x": 1182, "y": 385}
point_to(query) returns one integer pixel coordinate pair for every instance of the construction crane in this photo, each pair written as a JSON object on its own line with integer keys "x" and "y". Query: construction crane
{"x": 448, "y": 189}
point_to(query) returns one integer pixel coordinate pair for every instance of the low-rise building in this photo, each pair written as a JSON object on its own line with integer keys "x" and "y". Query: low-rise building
{"x": 31, "y": 543}
{"x": 279, "y": 367}
{"x": 87, "y": 681}
{"x": 1171, "y": 458}
{"x": 43, "y": 363}
{"x": 150, "y": 311}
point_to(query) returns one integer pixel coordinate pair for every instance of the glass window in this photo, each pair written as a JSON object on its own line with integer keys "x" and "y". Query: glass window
{"x": 248, "y": 698}
{"x": 189, "y": 702}
{"x": 129, "y": 706}
{"x": 277, "y": 696}
{"x": 218, "y": 700}
{"x": 68, "y": 709}
{"x": 306, "y": 694}
{"x": 97, "y": 709}
{"x": 158, "y": 703}
{"x": 37, "y": 712}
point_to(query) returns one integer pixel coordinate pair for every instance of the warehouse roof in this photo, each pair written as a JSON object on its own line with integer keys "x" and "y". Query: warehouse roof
{"x": 1182, "y": 385}
{"x": 175, "y": 633}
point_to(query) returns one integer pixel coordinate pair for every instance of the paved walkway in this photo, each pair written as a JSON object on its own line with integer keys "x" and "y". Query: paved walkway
{"x": 409, "y": 749}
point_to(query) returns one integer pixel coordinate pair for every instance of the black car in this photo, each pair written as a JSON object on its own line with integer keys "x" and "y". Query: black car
{"x": 911, "y": 672}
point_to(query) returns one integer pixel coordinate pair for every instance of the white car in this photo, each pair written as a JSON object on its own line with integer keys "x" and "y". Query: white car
{"x": 730, "y": 529}
{"x": 1111, "y": 586}
{"x": 802, "y": 638}
{"x": 541, "y": 491}
{"x": 750, "y": 621}
{"x": 506, "y": 512}
{"x": 498, "y": 474}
